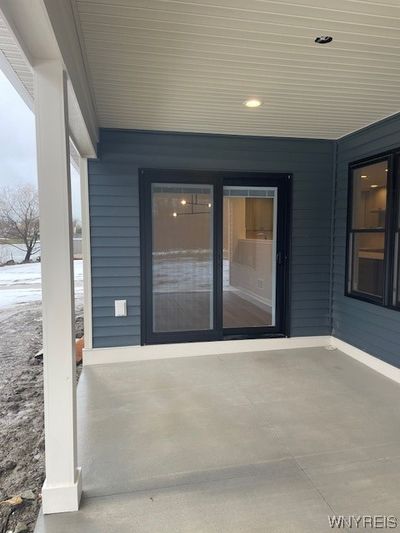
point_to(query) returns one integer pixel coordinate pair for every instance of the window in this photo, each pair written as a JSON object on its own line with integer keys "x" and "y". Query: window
{"x": 396, "y": 238}
{"x": 373, "y": 232}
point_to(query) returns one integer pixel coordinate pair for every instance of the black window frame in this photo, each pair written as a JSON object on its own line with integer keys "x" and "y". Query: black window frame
{"x": 395, "y": 229}
{"x": 391, "y": 253}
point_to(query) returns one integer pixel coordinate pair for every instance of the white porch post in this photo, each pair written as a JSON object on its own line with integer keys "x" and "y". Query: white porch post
{"x": 62, "y": 487}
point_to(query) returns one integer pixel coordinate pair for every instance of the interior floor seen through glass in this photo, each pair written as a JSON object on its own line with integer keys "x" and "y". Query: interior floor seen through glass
{"x": 249, "y": 242}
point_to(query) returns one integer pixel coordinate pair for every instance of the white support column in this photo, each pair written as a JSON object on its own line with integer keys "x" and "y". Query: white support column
{"x": 86, "y": 255}
{"x": 62, "y": 487}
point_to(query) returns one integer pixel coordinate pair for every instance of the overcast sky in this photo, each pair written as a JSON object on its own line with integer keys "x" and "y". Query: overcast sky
{"x": 17, "y": 143}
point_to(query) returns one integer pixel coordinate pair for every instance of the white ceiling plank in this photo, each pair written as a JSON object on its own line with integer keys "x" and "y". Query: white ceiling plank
{"x": 277, "y": 13}
{"x": 189, "y": 64}
{"x": 143, "y": 32}
{"x": 242, "y": 20}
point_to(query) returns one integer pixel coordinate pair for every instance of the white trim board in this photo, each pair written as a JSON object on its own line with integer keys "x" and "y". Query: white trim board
{"x": 124, "y": 354}
{"x": 367, "y": 359}
{"x": 263, "y": 303}
{"x": 86, "y": 255}
{"x": 62, "y": 499}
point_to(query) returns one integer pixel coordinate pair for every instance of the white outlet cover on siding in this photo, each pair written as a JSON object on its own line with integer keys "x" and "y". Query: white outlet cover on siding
{"x": 120, "y": 308}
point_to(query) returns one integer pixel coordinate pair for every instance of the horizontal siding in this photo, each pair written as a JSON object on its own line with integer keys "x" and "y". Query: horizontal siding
{"x": 114, "y": 215}
{"x": 366, "y": 326}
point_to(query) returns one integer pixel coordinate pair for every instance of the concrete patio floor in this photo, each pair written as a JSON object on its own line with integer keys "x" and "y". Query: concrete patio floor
{"x": 261, "y": 442}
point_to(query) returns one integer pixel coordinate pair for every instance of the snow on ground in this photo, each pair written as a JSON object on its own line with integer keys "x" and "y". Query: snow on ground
{"x": 187, "y": 273}
{"x": 15, "y": 252}
{"x": 21, "y": 284}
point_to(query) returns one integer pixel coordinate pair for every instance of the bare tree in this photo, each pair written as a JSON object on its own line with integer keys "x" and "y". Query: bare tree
{"x": 19, "y": 217}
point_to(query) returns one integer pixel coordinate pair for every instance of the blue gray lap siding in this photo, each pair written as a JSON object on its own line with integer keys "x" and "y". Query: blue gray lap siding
{"x": 114, "y": 218}
{"x": 366, "y": 326}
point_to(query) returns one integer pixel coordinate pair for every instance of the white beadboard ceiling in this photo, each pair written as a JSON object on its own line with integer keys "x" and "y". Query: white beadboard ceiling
{"x": 182, "y": 65}
{"x": 19, "y": 72}
{"x": 12, "y": 54}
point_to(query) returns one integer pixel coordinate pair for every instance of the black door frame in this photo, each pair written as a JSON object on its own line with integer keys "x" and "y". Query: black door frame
{"x": 217, "y": 179}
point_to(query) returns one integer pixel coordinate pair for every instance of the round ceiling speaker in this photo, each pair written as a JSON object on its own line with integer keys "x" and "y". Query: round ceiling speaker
{"x": 323, "y": 39}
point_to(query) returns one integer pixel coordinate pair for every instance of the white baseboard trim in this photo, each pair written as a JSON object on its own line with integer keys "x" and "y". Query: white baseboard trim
{"x": 262, "y": 303}
{"x": 125, "y": 354}
{"x": 371, "y": 361}
{"x": 62, "y": 499}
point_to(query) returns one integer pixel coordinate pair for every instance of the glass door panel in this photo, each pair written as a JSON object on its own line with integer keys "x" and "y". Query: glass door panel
{"x": 249, "y": 252}
{"x": 368, "y": 266}
{"x": 182, "y": 257}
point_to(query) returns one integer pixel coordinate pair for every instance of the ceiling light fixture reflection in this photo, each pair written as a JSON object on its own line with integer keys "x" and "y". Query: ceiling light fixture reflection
{"x": 192, "y": 206}
{"x": 252, "y": 102}
{"x": 374, "y": 186}
{"x": 364, "y": 176}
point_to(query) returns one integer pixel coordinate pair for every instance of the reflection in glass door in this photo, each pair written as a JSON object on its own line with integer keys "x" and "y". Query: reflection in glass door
{"x": 214, "y": 249}
{"x": 182, "y": 257}
{"x": 249, "y": 266}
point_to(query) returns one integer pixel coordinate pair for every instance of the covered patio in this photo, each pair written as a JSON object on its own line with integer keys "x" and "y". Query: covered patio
{"x": 267, "y": 441}
{"x": 174, "y": 107}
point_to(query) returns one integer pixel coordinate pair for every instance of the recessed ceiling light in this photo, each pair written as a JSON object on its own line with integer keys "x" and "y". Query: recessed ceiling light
{"x": 252, "y": 102}
{"x": 386, "y": 169}
{"x": 323, "y": 39}
{"x": 209, "y": 205}
{"x": 364, "y": 176}
{"x": 183, "y": 202}
{"x": 374, "y": 186}
{"x": 175, "y": 214}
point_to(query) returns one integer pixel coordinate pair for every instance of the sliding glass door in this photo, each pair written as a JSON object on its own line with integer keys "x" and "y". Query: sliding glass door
{"x": 213, "y": 255}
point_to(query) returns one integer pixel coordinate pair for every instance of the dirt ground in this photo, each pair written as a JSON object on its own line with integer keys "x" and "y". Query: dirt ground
{"x": 21, "y": 416}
